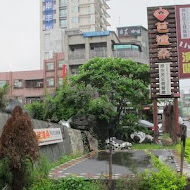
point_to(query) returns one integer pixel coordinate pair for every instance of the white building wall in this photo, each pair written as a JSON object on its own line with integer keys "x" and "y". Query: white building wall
{"x": 85, "y": 15}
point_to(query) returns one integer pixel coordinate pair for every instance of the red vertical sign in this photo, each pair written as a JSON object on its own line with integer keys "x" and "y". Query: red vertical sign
{"x": 183, "y": 36}
{"x": 64, "y": 71}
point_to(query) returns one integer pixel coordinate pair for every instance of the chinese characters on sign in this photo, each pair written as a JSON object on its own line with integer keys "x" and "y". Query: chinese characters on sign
{"x": 184, "y": 23}
{"x": 162, "y": 27}
{"x": 183, "y": 20}
{"x": 129, "y": 31}
{"x": 48, "y": 14}
{"x": 48, "y": 136}
{"x": 164, "y": 78}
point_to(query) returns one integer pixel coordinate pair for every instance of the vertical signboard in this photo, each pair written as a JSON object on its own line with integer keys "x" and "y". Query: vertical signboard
{"x": 163, "y": 52}
{"x": 48, "y": 14}
{"x": 164, "y": 78}
{"x": 183, "y": 29}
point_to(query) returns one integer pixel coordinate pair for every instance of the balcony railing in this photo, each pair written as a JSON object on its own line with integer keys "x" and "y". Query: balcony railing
{"x": 132, "y": 54}
{"x": 98, "y": 53}
{"x": 79, "y": 54}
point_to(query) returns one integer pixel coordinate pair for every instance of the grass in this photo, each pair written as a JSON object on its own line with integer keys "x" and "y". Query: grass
{"x": 65, "y": 158}
{"x": 151, "y": 146}
{"x": 187, "y": 150}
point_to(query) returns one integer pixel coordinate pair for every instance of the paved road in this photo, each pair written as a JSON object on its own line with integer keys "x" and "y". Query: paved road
{"x": 124, "y": 163}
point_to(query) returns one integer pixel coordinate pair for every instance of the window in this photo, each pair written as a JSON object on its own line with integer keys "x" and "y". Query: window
{"x": 75, "y": 9}
{"x": 3, "y": 83}
{"x": 60, "y": 80}
{"x": 60, "y": 64}
{"x": 18, "y": 83}
{"x": 63, "y": 23}
{"x": 50, "y": 66}
{"x": 75, "y": 20}
{"x": 63, "y": 12}
{"x": 50, "y": 82}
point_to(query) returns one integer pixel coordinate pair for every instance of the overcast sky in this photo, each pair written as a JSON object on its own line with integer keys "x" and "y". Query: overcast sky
{"x": 20, "y": 28}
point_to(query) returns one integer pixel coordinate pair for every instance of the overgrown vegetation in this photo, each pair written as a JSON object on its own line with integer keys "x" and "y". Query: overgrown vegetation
{"x": 3, "y": 99}
{"x": 111, "y": 89}
{"x": 164, "y": 178}
{"x": 152, "y": 146}
{"x": 187, "y": 149}
{"x": 69, "y": 183}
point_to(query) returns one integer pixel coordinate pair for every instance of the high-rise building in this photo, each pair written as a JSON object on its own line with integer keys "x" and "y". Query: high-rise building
{"x": 56, "y": 16}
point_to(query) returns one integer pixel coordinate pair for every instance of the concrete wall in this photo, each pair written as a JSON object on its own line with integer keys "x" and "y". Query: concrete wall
{"x": 72, "y": 139}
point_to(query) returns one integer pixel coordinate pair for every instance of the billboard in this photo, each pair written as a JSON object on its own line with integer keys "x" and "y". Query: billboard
{"x": 48, "y": 136}
{"x": 129, "y": 31}
{"x": 48, "y": 13}
{"x": 183, "y": 29}
{"x": 163, "y": 52}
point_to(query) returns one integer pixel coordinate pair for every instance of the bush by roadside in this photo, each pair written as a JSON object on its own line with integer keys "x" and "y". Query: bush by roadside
{"x": 69, "y": 183}
{"x": 164, "y": 179}
{"x": 187, "y": 149}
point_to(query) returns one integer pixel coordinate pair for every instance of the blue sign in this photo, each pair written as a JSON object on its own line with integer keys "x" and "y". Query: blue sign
{"x": 49, "y": 14}
{"x": 94, "y": 34}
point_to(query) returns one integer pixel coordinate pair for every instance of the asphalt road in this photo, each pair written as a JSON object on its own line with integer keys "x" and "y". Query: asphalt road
{"x": 124, "y": 163}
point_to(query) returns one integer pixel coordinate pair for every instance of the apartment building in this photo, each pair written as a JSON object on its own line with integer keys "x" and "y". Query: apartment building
{"x": 29, "y": 86}
{"x": 80, "y": 47}
{"x": 58, "y": 15}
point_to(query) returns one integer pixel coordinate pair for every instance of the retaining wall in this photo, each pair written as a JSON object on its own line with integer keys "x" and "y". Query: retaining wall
{"x": 72, "y": 139}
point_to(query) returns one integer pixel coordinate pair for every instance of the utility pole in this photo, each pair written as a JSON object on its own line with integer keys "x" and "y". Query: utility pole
{"x": 110, "y": 159}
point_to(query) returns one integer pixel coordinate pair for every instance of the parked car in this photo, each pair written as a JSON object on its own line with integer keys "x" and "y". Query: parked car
{"x": 146, "y": 124}
{"x": 149, "y": 125}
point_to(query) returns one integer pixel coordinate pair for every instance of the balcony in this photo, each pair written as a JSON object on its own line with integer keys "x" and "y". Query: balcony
{"x": 77, "y": 54}
{"x": 98, "y": 53}
{"x": 34, "y": 83}
{"x": 135, "y": 55}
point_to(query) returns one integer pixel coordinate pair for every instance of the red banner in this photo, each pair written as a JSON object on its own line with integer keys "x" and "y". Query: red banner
{"x": 183, "y": 36}
{"x": 64, "y": 71}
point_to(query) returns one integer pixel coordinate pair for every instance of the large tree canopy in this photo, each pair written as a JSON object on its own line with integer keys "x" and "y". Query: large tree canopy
{"x": 122, "y": 83}
{"x": 107, "y": 88}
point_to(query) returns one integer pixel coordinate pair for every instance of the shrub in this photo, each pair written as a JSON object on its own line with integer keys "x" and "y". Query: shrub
{"x": 69, "y": 183}
{"x": 187, "y": 149}
{"x": 19, "y": 146}
{"x": 166, "y": 178}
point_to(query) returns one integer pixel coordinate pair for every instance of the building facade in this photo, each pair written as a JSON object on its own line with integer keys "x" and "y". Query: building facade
{"x": 27, "y": 86}
{"x": 58, "y": 15}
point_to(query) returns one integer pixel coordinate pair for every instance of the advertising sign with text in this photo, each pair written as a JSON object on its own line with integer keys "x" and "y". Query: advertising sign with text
{"x": 183, "y": 29}
{"x": 48, "y": 136}
{"x": 48, "y": 14}
{"x": 129, "y": 31}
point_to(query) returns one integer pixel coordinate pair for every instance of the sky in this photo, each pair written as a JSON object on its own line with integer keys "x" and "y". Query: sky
{"x": 20, "y": 28}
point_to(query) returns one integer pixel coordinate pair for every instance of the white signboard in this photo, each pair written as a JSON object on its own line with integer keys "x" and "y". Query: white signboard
{"x": 184, "y": 22}
{"x": 48, "y": 136}
{"x": 164, "y": 78}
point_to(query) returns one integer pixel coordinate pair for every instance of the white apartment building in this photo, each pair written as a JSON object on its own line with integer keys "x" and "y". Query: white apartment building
{"x": 58, "y": 15}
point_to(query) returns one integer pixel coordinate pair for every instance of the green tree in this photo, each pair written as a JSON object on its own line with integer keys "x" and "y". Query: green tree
{"x": 3, "y": 92}
{"x": 123, "y": 84}
{"x": 107, "y": 88}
